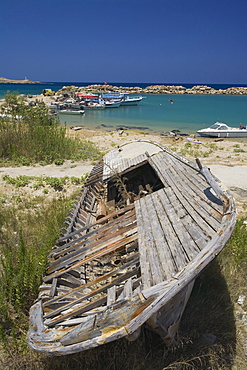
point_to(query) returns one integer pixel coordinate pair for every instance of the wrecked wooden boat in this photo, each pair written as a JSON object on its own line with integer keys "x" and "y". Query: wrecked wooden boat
{"x": 148, "y": 221}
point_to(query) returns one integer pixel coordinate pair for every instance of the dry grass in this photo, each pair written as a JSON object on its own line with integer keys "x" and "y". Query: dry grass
{"x": 212, "y": 333}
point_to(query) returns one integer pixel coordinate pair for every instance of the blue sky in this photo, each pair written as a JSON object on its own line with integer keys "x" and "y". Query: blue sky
{"x": 193, "y": 41}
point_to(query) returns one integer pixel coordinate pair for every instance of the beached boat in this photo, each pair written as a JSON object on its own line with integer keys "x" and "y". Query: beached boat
{"x": 148, "y": 221}
{"x": 76, "y": 128}
{"x": 71, "y": 111}
{"x": 222, "y": 130}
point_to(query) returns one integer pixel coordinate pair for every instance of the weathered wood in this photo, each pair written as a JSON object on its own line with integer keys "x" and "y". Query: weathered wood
{"x": 192, "y": 180}
{"x": 96, "y": 233}
{"x": 53, "y": 288}
{"x": 93, "y": 247}
{"x": 131, "y": 262}
{"x": 84, "y": 306}
{"x": 188, "y": 204}
{"x": 136, "y": 265}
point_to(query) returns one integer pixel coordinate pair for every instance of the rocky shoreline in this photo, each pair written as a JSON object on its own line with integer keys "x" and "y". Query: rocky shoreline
{"x": 152, "y": 89}
{"x": 156, "y": 89}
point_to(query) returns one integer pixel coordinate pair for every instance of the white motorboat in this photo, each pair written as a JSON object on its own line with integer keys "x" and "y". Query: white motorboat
{"x": 127, "y": 100}
{"x": 112, "y": 104}
{"x": 222, "y": 130}
{"x": 70, "y": 111}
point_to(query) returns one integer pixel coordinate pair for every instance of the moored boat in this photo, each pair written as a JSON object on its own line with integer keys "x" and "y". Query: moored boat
{"x": 221, "y": 130}
{"x": 112, "y": 104}
{"x": 130, "y": 100}
{"x": 148, "y": 221}
{"x": 93, "y": 105}
{"x": 71, "y": 111}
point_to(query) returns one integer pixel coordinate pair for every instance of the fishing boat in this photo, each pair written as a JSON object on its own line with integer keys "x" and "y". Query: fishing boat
{"x": 122, "y": 98}
{"x": 221, "y": 130}
{"x": 91, "y": 101}
{"x": 94, "y": 105}
{"x": 147, "y": 222}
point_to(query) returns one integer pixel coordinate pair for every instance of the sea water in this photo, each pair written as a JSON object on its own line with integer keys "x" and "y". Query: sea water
{"x": 155, "y": 113}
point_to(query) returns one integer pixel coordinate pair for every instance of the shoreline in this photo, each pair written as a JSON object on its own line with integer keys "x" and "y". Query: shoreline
{"x": 155, "y": 88}
{"x": 227, "y": 159}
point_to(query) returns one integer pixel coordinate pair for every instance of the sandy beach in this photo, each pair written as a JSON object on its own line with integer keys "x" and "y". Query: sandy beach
{"x": 226, "y": 159}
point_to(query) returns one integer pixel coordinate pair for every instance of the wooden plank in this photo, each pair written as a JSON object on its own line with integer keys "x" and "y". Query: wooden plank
{"x": 180, "y": 213}
{"x": 127, "y": 290}
{"x": 144, "y": 263}
{"x": 188, "y": 204}
{"x": 95, "y": 233}
{"x": 81, "y": 245}
{"x": 62, "y": 312}
{"x": 197, "y": 192}
{"x": 180, "y": 222}
{"x": 175, "y": 246}
{"x": 101, "y": 221}
{"x": 163, "y": 234}
{"x": 91, "y": 246}
{"x": 131, "y": 261}
{"x": 53, "y": 288}
{"x": 111, "y": 295}
{"x": 148, "y": 240}
{"x": 105, "y": 249}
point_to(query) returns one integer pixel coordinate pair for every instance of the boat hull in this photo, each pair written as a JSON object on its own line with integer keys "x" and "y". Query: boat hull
{"x": 71, "y": 112}
{"x": 230, "y": 134}
{"x": 131, "y": 101}
{"x": 148, "y": 221}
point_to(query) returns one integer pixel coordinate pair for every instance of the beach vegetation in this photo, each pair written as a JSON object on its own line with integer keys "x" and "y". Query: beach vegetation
{"x": 238, "y": 150}
{"x": 37, "y": 182}
{"x": 29, "y": 134}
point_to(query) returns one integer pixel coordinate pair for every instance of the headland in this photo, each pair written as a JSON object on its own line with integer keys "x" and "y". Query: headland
{"x": 4, "y": 80}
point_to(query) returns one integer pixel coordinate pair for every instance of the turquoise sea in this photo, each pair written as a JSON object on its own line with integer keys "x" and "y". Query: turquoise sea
{"x": 188, "y": 113}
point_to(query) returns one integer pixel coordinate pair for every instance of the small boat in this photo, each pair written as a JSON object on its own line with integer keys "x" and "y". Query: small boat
{"x": 54, "y": 105}
{"x": 221, "y": 130}
{"x": 76, "y": 128}
{"x": 112, "y": 104}
{"x": 127, "y": 100}
{"x": 93, "y": 105}
{"x": 71, "y": 111}
{"x": 148, "y": 221}
{"x": 194, "y": 141}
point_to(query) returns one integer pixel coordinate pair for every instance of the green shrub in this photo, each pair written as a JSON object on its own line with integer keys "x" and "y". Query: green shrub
{"x": 26, "y": 238}
{"x": 36, "y": 137}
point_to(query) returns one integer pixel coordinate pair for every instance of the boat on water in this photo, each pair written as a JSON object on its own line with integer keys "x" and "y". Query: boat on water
{"x": 112, "y": 104}
{"x": 93, "y": 105}
{"x": 71, "y": 111}
{"x": 147, "y": 222}
{"x": 130, "y": 100}
{"x": 221, "y": 130}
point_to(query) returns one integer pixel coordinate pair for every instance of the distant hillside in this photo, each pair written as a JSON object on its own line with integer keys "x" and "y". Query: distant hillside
{"x": 4, "y": 80}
